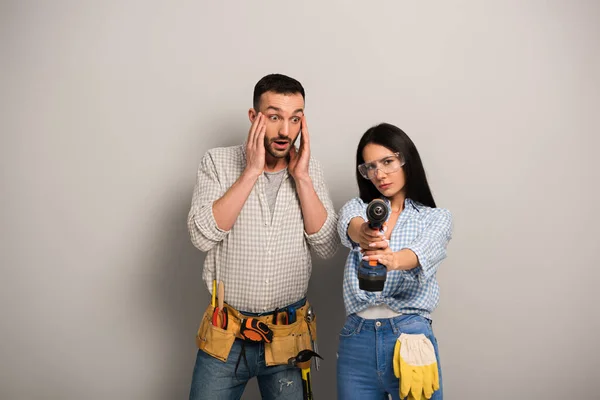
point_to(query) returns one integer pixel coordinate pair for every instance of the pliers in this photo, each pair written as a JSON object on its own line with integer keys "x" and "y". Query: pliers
{"x": 220, "y": 315}
{"x": 220, "y": 307}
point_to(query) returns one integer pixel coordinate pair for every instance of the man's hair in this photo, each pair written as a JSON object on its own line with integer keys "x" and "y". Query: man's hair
{"x": 276, "y": 83}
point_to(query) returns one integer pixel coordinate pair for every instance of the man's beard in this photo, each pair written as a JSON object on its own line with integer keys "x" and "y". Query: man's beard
{"x": 277, "y": 153}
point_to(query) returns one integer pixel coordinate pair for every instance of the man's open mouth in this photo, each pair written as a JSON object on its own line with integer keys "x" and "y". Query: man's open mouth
{"x": 281, "y": 144}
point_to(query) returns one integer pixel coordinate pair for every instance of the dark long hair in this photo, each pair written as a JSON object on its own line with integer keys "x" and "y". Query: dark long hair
{"x": 394, "y": 138}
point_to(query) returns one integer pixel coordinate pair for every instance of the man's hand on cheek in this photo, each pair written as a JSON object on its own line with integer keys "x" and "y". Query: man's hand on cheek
{"x": 255, "y": 147}
{"x": 299, "y": 159}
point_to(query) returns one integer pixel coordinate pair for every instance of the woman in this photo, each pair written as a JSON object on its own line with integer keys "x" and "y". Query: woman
{"x": 372, "y": 363}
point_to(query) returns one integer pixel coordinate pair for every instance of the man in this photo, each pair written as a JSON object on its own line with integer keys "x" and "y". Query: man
{"x": 258, "y": 210}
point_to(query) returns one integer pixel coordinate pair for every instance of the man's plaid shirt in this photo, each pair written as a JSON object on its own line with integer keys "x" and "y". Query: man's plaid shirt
{"x": 264, "y": 263}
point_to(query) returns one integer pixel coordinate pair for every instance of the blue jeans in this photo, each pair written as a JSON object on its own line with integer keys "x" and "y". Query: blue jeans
{"x": 365, "y": 368}
{"x": 216, "y": 380}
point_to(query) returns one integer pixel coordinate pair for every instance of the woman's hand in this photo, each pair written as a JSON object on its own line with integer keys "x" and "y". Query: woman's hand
{"x": 402, "y": 260}
{"x": 364, "y": 235}
{"x": 381, "y": 252}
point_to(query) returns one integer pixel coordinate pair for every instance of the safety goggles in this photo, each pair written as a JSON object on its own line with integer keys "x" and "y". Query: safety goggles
{"x": 387, "y": 165}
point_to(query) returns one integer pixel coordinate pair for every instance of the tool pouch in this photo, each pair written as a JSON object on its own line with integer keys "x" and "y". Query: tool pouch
{"x": 214, "y": 340}
{"x": 289, "y": 340}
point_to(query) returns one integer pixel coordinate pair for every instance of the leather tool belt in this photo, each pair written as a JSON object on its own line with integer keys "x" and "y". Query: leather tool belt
{"x": 287, "y": 339}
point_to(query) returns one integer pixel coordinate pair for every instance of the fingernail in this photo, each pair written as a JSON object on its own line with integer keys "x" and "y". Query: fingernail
{"x": 365, "y": 258}
{"x": 372, "y": 244}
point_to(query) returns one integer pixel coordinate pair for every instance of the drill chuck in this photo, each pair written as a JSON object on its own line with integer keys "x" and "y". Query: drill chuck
{"x": 377, "y": 213}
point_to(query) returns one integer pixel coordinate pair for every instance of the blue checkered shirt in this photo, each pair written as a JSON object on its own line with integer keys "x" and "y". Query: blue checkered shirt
{"x": 424, "y": 230}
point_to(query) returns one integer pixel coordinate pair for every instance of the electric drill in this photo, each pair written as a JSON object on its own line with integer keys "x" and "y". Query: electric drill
{"x": 371, "y": 274}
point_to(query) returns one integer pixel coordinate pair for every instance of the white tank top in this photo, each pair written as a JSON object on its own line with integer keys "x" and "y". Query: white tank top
{"x": 378, "y": 312}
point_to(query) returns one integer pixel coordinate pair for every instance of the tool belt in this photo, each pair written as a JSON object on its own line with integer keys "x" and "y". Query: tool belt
{"x": 286, "y": 341}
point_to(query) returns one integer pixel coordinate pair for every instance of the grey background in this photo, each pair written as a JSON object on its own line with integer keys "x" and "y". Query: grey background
{"x": 107, "y": 107}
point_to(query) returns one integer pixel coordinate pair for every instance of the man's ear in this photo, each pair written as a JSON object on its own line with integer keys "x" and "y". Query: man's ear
{"x": 252, "y": 114}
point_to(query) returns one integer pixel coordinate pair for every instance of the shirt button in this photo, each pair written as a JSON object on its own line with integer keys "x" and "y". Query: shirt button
{"x": 378, "y": 324}
{"x": 266, "y": 281}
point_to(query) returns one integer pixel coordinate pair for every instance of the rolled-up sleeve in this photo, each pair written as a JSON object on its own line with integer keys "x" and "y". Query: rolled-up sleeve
{"x": 353, "y": 208}
{"x": 325, "y": 241}
{"x": 430, "y": 246}
{"x": 202, "y": 226}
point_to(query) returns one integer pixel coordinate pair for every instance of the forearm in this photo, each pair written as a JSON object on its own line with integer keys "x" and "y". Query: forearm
{"x": 229, "y": 206}
{"x": 406, "y": 260}
{"x": 354, "y": 229}
{"x": 314, "y": 213}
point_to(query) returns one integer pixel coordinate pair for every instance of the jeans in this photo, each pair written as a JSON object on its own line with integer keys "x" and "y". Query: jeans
{"x": 365, "y": 368}
{"x": 216, "y": 380}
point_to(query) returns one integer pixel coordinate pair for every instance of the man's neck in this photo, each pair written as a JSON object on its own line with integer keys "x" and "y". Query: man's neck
{"x": 273, "y": 164}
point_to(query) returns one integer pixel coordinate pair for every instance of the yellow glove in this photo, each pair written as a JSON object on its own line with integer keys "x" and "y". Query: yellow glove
{"x": 416, "y": 366}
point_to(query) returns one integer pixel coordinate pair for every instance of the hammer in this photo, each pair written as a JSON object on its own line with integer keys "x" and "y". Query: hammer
{"x": 302, "y": 361}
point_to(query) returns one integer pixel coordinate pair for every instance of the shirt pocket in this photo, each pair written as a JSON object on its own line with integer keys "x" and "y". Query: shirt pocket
{"x": 350, "y": 326}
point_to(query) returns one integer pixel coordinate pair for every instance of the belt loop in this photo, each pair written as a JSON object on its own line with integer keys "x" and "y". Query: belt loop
{"x": 394, "y": 327}
{"x": 360, "y": 324}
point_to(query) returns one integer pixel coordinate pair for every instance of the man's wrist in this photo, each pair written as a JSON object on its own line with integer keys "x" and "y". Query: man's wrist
{"x": 303, "y": 180}
{"x": 251, "y": 174}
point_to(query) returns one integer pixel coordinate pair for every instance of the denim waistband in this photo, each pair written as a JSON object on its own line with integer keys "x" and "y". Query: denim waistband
{"x": 386, "y": 323}
{"x": 296, "y": 305}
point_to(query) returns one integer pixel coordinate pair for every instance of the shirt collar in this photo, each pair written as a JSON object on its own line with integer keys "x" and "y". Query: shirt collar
{"x": 409, "y": 205}
{"x": 285, "y": 174}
